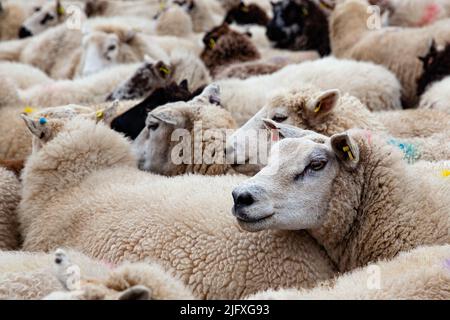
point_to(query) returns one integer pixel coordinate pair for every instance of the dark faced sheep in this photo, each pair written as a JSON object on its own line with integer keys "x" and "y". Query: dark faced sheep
{"x": 132, "y": 121}
{"x": 299, "y": 25}
{"x": 224, "y": 46}
{"x": 436, "y": 66}
{"x": 247, "y": 14}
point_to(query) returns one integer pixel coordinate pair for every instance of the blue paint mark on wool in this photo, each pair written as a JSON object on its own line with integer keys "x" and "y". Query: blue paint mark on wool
{"x": 410, "y": 152}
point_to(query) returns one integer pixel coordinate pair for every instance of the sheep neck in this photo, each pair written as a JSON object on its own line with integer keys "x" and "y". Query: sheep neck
{"x": 379, "y": 210}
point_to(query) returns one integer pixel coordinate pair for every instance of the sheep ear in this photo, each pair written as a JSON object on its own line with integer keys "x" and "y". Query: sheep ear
{"x": 163, "y": 70}
{"x": 166, "y": 118}
{"x": 211, "y": 94}
{"x": 108, "y": 114}
{"x": 287, "y": 131}
{"x": 59, "y": 9}
{"x": 136, "y": 293}
{"x": 129, "y": 36}
{"x": 323, "y": 104}
{"x": 38, "y": 128}
{"x": 346, "y": 149}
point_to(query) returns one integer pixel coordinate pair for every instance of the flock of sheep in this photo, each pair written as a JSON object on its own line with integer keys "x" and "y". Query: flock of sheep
{"x": 225, "y": 149}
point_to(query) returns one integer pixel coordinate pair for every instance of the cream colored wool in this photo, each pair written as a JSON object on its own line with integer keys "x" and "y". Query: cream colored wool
{"x": 244, "y": 98}
{"x": 27, "y": 275}
{"x": 22, "y": 75}
{"x": 182, "y": 222}
{"x": 418, "y": 13}
{"x": 437, "y": 96}
{"x": 350, "y": 38}
{"x": 420, "y": 274}
{"x": 9, "y": 200}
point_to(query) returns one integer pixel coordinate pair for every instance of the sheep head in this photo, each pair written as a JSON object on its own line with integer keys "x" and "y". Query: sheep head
{"x": 107, "y": 46}
{"x": 306, "y": 108}
{"x": 224, "y": 46}
{"x": 247, "y": 14}
{"x": 299, "y": 25}
{"x": 436, "y": 66}
{"x": 293, "y": 191}
{"x": 182, "y": 137}
{"x": 44, "y": 17}
{"x": 148, "y": 76}
{"x": 132, "y": 122}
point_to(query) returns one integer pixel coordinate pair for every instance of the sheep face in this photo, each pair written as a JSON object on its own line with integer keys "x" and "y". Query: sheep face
{"x": 103, "y": 49}
{"x": 306, "y": 108}
{"x": 47, "y": 123}
{"x": 44, "y": 17}
{"x": 168, "y": 143}
{"x": 293, "y": 191}
{"x": 148, "y": 76}
{"x": 132, "y": 122}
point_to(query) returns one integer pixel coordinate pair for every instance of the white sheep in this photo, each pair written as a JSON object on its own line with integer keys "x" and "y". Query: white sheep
{"x": 201, "y": 118}
{"x": 437, "y": 96}
{"x": 422, "y": 273}
{"x": 420, "y": 134}
{"x": 352, "y": 39}
{"x": 244, "y": 98}
{"x": 9, "y": 200}
{"x": 354, "y": 195}
{"x": 191, "y": 233}
{"x": 68, "y": 274}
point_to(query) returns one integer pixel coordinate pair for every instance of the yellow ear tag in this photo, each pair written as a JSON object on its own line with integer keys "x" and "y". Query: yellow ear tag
{"x": 28, "y": 110}
{"x": 162, "y": 5}
{"x": 317, "y": 109}
{"x": 212, "y": 43}
{"x": 99, "y": 114}
{"x": 244, "y": 9}
{"x": 305, "y": 11}
{"x": 164, "y": 70}
{"x": 445, "y": 173}
{"x": 61, "y": 10}
{"x": 349, "y": 153}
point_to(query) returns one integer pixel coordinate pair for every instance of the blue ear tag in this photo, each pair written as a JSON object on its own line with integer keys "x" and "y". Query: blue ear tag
{"x": 43, "y": 121}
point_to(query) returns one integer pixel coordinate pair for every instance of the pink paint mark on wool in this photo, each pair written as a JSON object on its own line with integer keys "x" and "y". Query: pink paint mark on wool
{"x": 274, "y": 135}
{"x": 430, "y": 15}
{"x": 369, "y": 136}
{"x": 109, "y": 265}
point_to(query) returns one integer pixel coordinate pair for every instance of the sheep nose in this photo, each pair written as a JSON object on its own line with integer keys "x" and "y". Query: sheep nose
{"x": 242, "y": 199}
{"x": 24, "y": 33}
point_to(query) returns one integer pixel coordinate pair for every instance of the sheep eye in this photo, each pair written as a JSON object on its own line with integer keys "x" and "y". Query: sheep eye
{"x": 279, "y": 118}
{"x": 37, "y": 9}
{"x": 111, "y": 47}
{"x": 153, "y": 126}
{"x": 317, "y": 165}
